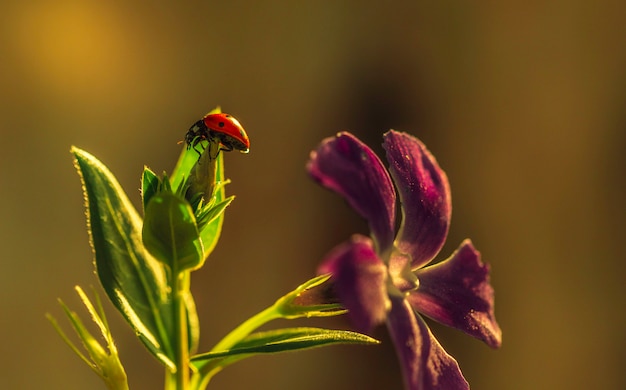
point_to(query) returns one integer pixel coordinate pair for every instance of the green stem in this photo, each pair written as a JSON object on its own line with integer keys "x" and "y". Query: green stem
{"x": 287, "y": 307}
{"x": 170, "y": 380}
{"x": 246, "y": 328}
{"x": 201, "y": 380}
{"x": 181, "y": 288}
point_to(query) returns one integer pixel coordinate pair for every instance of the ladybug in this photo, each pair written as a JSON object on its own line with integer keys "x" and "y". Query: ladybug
{"x": 223, "y": 128}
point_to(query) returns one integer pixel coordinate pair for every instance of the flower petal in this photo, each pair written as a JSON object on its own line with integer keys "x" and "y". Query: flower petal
{"x": 359, "y": 280}
{"x": 457, "y": 293}
{"x": 347, "y": 166}
{"x": 425, "y": 196}
{"x": 425, "y": 364}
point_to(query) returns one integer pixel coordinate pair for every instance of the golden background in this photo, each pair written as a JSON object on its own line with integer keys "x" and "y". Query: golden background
{"x": 523, "y": 103}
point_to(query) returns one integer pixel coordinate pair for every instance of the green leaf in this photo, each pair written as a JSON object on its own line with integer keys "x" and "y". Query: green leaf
{"x": 210, "y": 232}
{"x": 186, "y": 171}
{"x": 281, "y": 340}
{"x": 170, "y": 233}
{"x": 312, "y": 298}
{"x": 104, "y": 362}
{"x": 210, "y": 213}
{"x": 134, "y": 281}
{"x": 150, "y": 184}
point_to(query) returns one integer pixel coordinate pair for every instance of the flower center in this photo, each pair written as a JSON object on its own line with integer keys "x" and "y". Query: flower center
{"x": 400, "y": 274}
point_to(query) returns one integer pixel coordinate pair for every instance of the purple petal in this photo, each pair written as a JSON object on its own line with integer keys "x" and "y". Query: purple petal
{"x": 457, "y": 293}
{"x": 359, "y": 280}
{"x": 347, "y": 166}
{"x": 425, "y": 196}
{"x": 425, "y": 364}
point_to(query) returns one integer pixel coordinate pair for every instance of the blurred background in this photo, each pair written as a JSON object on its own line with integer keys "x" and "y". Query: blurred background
{"x": 522, "y": 103}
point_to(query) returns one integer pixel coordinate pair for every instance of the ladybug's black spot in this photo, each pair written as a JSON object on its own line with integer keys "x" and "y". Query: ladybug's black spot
{"x": 221, "y": 124}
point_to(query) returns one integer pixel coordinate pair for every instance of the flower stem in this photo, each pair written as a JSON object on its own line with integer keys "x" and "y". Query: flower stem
{"x": 295, "y": 304}
{"x": 201, "y": 380}
{"x": 246, "y": 328}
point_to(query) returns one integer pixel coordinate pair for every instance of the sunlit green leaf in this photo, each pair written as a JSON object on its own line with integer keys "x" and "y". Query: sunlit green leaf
{"x": 313, "y": 298}
{"x": 208, "y": 215}
{"x": 281, "y": 340}
{"x": 210, "y": 233}
{"x": 170, "y": 233}
{"x": 150, "y": 183}
{"x": 134, "y": 281}
{"x": 103, "y": 361}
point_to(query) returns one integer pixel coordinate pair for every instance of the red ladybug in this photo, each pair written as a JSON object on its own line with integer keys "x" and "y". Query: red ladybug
{"x": 223, "y": 128}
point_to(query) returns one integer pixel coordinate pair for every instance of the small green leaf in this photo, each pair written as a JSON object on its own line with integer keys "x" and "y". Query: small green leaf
{"x": 201, "y": 180}
{"x": 312, "y": 298}
{"x": 282, "y": 340}
{"x": 150, "y": 184}
{"x": 170, "y": 233}
{"x": 210, "y": 232}
{"x": 104, "y": 362}
{"x": 210, "y": 213}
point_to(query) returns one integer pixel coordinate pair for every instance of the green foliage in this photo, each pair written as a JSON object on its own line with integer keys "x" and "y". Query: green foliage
{"x": 150, "y": 184}
{"x": 136, "y": 283}
{"x": 281, "y": 340}
{"x": 170, "y": 232}
{"x": 105, "y": 362}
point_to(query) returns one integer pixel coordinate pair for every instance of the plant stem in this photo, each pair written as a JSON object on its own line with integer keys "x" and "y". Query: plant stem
{"x": 170, "y": 380}
{"x": 246, "y": 328}
{"x": 181, "y": 288}
{"x": 202, "y": 379}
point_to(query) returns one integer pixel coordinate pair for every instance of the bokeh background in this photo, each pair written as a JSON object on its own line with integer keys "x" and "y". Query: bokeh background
{"x": 523, "y": 103}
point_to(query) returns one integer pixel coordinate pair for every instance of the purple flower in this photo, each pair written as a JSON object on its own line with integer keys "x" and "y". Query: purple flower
{"x": 385, "y": 277}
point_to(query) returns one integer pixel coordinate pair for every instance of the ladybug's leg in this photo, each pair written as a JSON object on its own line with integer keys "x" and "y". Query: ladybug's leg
{"x": 217, "y": 138}
{"x": 226, "y": 148}
{"x": 196, "y": 141}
